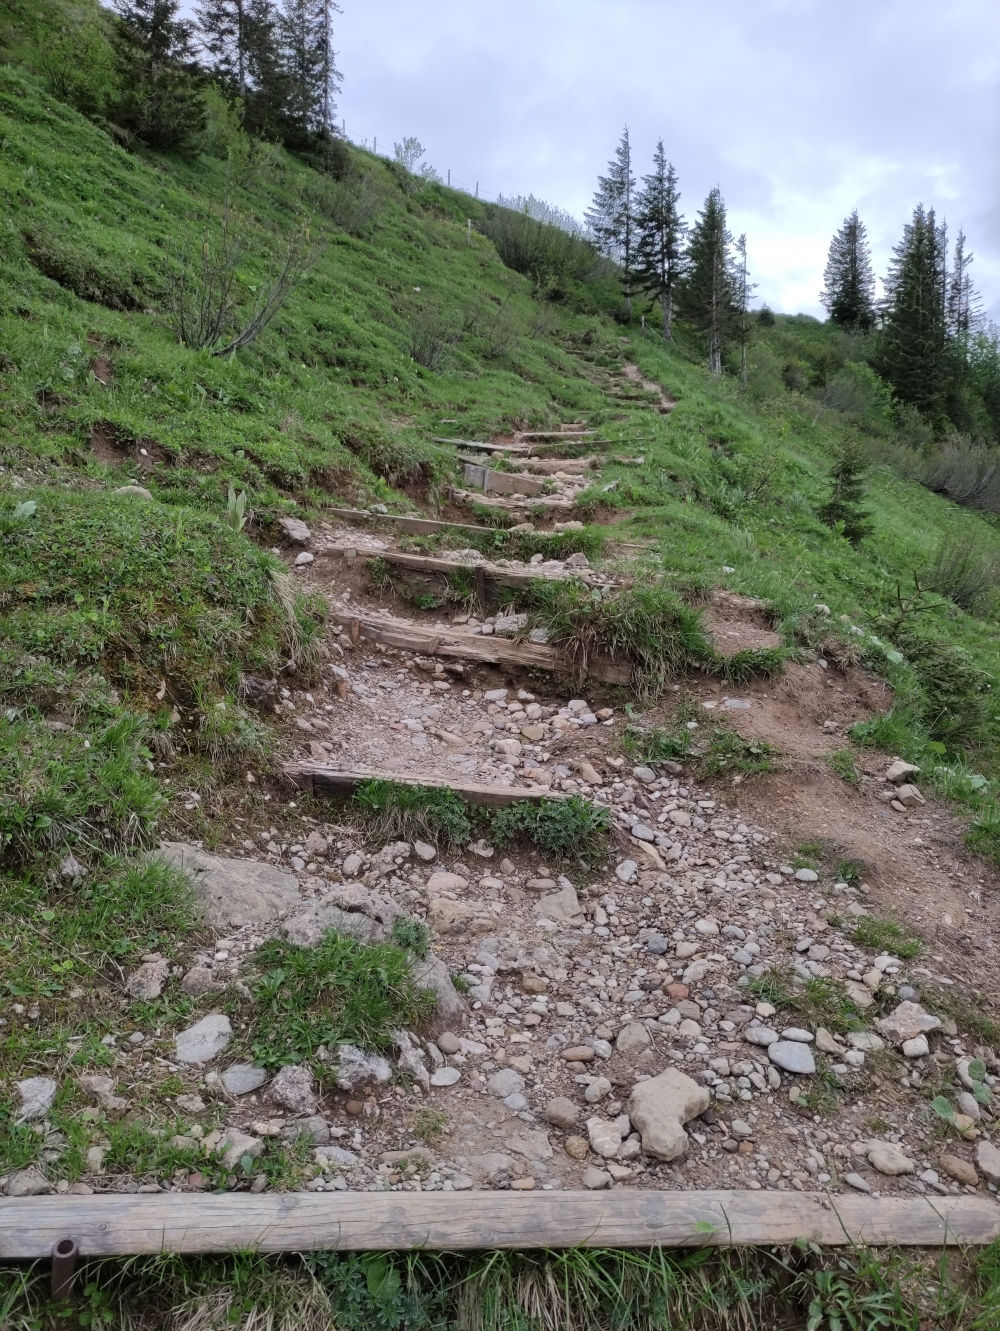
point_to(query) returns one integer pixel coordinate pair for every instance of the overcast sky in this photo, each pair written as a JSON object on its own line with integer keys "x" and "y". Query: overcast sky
{"x": 800, "y": 110}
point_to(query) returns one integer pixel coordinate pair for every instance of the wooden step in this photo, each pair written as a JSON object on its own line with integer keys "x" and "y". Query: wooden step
{"x": 329, "y": 781}
{"x": 553, "y": 434}
{"x": 416, "y": 526}
{"x": 118, "y": 1224}
{"x": 501, "y": 482}
{"x": 507, "y": 577}
{"x": 484, "y": 447}
{"x": 489, "y": 649}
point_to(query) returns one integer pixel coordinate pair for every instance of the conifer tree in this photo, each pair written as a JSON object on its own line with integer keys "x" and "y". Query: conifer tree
{"x": 743, "y": 291}
{"x": 154, "y": 52}
{"x": 849, "y": 282}
{"x": 845, "y": 507}
{"x": 660, "y": 240}
{"x": 306, "y": 28}
{"x": 914, "y": 352}
{"x": 964, "y": 310}
{"x": 708, "y": 290}
{"x": 230, "y": 30}
{"x": 612, "y": 217}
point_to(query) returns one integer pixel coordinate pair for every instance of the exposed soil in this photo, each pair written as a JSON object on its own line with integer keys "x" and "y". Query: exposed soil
{"x": 738, "y": 624}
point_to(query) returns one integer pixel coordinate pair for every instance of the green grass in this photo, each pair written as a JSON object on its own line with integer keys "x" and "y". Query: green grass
{"x": 885, "y": 936}
{"x": 340, "y": 992}
{"x": 396, "y": 812}
{"x": 819, "y": 1001}
{"x": 574, "y": 828}
{"x": 707, "y": 1289}
{"x": 715, "y": 751}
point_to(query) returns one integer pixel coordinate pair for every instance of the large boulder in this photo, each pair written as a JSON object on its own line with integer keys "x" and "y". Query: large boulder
{"x": 233, "y": 892}
{"x": 350, "y": 910}
{"x": 660, "y": 1107}
{"x": 451, "y": 1010}
{"x": 205, "y": 1040}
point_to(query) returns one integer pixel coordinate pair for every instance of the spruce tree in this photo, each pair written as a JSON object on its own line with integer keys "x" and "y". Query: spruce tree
{"x": 849, "y": 282}
{"x": 708, "y": 291}
{"x": 743, "y": 291}
{"x": 845, "y": 508}
{"x": 159, "y": 102}
{"x": 964, "y": 310}
{"x": 914, "y": 351}
{"x": 229, "y": 30}
{"x": 660, "y": 241}
{"x": 306, "y": 30}
{"x": 612, "y": 217}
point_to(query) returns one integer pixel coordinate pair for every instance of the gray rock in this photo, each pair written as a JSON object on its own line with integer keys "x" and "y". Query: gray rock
{"x": 792, "y": 1056}
{"x": 411, "y": 1059}
{"x": 306, "y": 557}
{"x": 242, "y": 1078}
{"x": 294, "y": 1088}
{"x": 505, "y": 1082}
{"x": 799, "y": 1034}
{"x": 30, "y": 1182}
{"x": 296, "y": 530}
{"x": 657, "y": 944}
{"x": 138, "y": 491}
{"x": 205, "y": 1040}
{"x": 37, "y": 1095}
{"x": 595, "y": 1179}
{"x": 627, "y": 871}
{"x": 349, "y": 910}
{"x": 660, "y": 1107}
{"x": 233, "y": 892}
{"x": 760, "y": 1035}
{"x": 516, "y": 1102}
{"x": 430, "y": 972}
{"x": 562, "y": 906}
{"x": 643, "y": 833}
{"x": 353, "y": 863}
{"x": 314, "y": 1127}
{"x": 533, "y": 1145}
{"x": 806, "y": 876}
{"x": 445, "y": 1076}
{"x": 988, "y": 1160}
{"x": 102, "y": 1089}
{"x": 235, "y": 1144}
{"x": 200, "y": 981}
{"x": 644, "y": 774}
{"x": 424, "y": 851}
{"x": 888, "y": 1158}
{"x": 969, "y": 1105}
{"x": 562, "y": 1112}
{"x": 327, "y": 1156}
{"x": 632, "y": 1038}
{"x": 146, "y": 981}
{"x": 857, "y": 1182}
{"x": 357, "y": 1068}
{"x": 70, "y": 867}
{"x": 489, "y": 1164}
{"x": 597, "y": 1090}
{"x": 605, "y": 1138}
{"x": 906, "y": 1022}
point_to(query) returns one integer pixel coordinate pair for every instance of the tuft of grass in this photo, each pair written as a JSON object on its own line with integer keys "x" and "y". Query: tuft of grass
{"x": 717, "y": 751}
{"x": 752, "y": 663}
{"x": 820, "y": 1001}
{"x": 572, "y": 827}
{"x": 340, "y": 992}
{"x": 411, "y": 935}
{"x": 885, "y": 936}
{"x": 842, "y": 762}
{"x": 395, "y": 812}
{"x": 728, "y": 751}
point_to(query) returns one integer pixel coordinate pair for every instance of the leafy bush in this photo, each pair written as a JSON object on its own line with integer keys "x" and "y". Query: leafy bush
{"x": 967, "y": 471}
{"x": 859, "y": 394}
{"x": 340, "y": 992}
{"x": 966, "y": 570}
{"x": 563, "y": 827}
{"x": 546, "y": 254}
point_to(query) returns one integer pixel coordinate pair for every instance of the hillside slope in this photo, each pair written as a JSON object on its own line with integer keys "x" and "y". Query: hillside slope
{"x": 160, "y": 662}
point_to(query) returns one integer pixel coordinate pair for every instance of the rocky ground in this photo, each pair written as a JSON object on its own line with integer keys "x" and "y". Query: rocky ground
{"x": 701, "y": 1010}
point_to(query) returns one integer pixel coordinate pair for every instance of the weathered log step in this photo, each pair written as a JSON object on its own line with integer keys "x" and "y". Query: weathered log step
{"x": 122, "y": 1224}
{"x": 491, "y": 650}
{"x": 501, "y": 482}
{"x": 507, "y": 577}
{"x": 415, "y": 526}
{"x": 553, "y": 434}
{"x": 549, "y": 466}
{"x": 329, "y": 781}
{"x": 485, "y": 446}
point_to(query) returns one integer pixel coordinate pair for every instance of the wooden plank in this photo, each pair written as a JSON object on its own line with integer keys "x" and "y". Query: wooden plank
{"x": 501, "y": 482}
{"x": 427, "y": 563}
{"x": 554, "y": 434}
{"x": 416, "y": 526}
{"x": 328, "y": 781}
{"x": 491, "y": 650}
{"x": 123, "y": 1223}
{"x": 485, "y": 446}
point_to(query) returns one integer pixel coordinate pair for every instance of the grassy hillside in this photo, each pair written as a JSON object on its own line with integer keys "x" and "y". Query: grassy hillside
{"x": 127, "y": 623}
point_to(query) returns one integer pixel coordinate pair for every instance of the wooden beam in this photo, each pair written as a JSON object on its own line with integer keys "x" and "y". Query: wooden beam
{"x": 429, "y": 564}
{"x": 120, "y": 1224}
{"x": 501, "y": 482}
{"x": 554, "y": 434}
{"x": 327, "y": 781}
{"x": 490, "y": 649}
{"x": 416, "y": 526}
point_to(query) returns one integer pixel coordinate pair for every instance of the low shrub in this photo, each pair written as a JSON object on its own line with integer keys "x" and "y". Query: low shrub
{"x": 562, "y": 827}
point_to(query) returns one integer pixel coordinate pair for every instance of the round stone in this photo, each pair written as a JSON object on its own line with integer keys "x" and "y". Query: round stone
{"x": 791, "y": 1056}
{"x": 505, "y": 1082}
{"x": 806, "y": 875}
{"x": 798, "y": 1034}
{"x": 760, "y": 1035}
{"x": 445, "y": 1076}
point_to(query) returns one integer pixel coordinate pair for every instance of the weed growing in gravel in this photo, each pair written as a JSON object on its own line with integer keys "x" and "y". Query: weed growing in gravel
{"x": 340, "y": 992}
{"x": 885, "y": 936}
{"x": 396, "y": 812}
{"x": 843, "y": 763}
{"x": 820, "y": 1001}
{"x": 572, "y": 827}
{"x": 716, "y": 751}
{"x": 411, "y": 935}
{"x": 729, "y": 752}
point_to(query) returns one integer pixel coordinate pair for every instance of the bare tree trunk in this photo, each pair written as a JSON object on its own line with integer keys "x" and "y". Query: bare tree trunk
{"x": 667, "y": 312}
{"x": 714, "y": 354}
